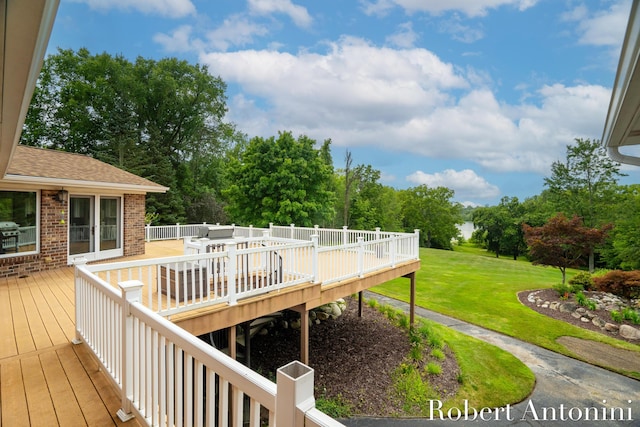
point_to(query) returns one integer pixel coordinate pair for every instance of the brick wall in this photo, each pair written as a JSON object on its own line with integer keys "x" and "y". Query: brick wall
{"x": 53, "y": 235}
{"x": 53, "y": 240}
{"x": 134, "y": 210}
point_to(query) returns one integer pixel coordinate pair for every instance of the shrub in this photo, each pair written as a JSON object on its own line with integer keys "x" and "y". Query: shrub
{"x": 438, "y": 354}
{"x": 616, "y": 316}
{"x": 581, "y": 282}
{"x": 622, "y": 283}
{"x": 631, "y": 315}
{"x": 581, "y": 298}
{"x": 562, "y": 289}
{"x": 433, "y": 368}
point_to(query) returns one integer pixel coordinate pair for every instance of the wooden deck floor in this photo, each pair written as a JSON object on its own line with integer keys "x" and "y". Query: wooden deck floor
{"x": 45, "y": 380}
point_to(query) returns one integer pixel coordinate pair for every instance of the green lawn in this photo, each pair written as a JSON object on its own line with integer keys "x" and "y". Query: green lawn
{"x": 468, "y": 285}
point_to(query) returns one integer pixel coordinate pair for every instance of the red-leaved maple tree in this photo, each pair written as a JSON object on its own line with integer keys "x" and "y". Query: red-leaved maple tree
{"x": 563, "y": 242}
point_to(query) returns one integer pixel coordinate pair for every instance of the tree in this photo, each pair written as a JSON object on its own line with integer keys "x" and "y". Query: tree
{"x": 562, "y": 242}
{"x": 284, "y": 180}
{"x": 151, "y": 118}
{"x": 624, "y": 251}
{"x": 584, "y": 184}
{"x": 432, "y": 211}
{"x": 499, "y": 228}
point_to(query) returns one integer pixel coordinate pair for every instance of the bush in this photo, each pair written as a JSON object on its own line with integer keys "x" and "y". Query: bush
{"x": 631, "y": 315}
{"x": 581, "y": 282}
{"x": 616, "y": 316}
{"x": 563, "y": 290}
{"x": 622, "y": 283}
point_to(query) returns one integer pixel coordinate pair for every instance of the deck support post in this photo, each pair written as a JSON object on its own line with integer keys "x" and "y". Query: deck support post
{"x": 233, "y": 349}
{"x": 360, "y": 298}
{"x": 131, "y": 293}
{"x": 304, "y": 336}
{"x": 412, "y": 299}
{"x": 246, "y": 326}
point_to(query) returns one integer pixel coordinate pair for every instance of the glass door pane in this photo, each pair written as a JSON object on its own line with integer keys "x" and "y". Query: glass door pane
{"x": 81, "y": 226}
{"x": 109, "y": 223}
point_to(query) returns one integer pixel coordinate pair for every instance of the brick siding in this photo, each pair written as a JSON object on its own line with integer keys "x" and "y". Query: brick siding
{"x": 53, "y": 235}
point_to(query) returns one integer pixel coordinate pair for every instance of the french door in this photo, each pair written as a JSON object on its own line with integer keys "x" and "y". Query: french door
{"x": 95, "y": 227}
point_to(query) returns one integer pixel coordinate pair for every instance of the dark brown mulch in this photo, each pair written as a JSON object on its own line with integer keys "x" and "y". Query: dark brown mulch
{"x": 353, "y": 358}
{"x": 552, "y": 295}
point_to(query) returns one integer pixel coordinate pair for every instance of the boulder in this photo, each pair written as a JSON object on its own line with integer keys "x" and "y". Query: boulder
{"x": 598, "y": 322}
{"x": 629, "y": 332}
{"x": 611, "y": 327}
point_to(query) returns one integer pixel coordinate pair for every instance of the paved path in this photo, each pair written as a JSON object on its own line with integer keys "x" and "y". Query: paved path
{"x": 565, "y": 385}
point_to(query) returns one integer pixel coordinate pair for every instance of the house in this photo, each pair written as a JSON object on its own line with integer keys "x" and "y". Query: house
{"x": 57, "y": 206}
{"x": 54, "y": 206}
{"x": 621, "y": 134}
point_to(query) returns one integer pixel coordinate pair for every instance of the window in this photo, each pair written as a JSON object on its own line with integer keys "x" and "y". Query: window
{"x": 18, "y": 222}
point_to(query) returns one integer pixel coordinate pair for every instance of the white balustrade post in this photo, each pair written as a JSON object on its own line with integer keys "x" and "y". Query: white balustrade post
{"x": 295, "y": 394}
{"x": 314, "y": 259}
{"x": 131, "y": 293}
{"x": 232, "y": 273}
{"x": 394, "y": 247}
{"x": 251, "y": 230}
{"x": 344, "y": 235}
{"x": 177, "y": 231}
{"x": 147, "y": 232}
{"x": 80, "y": 300}
{"x": 361, "y": 256}
{"x": 416, "y": 246}
{"x": 292, "y": 231}
{"x": 377, "y": 233}
{"x": 316, "y": 230}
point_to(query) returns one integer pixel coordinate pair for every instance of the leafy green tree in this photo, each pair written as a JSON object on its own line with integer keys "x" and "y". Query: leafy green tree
{"x": 152, "y": 118}
{"x": 499, "y": 227}
{"x": 584, "y": 184}
{"x": 562, "y": 242}
{"x": 433, "y": 212}
{"x": 624, "y": 249}
{"x": 283, "y": 180}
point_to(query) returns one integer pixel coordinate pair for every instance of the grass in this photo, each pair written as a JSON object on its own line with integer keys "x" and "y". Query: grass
{"x": 489, "y": 376}
{"x": 471, "y": 286}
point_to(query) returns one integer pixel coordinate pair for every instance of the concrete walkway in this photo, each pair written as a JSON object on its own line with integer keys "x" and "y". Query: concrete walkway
{"x": 574, "y": 390}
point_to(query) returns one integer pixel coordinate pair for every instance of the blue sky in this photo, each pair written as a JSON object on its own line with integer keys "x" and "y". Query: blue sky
{"x": 480, "y": 96}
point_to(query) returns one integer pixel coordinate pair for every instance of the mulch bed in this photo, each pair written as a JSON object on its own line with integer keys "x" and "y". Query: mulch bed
{"x": 353, "y": 359}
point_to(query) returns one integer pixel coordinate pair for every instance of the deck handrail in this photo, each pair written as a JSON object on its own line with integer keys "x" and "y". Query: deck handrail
{"x": 166, "y": 375}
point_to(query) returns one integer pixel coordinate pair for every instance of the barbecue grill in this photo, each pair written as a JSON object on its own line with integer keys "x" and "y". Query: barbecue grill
{"x": 9, "y": 233}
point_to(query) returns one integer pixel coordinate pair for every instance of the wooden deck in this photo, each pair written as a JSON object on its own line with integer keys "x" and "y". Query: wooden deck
{"x": 44, "y": 378}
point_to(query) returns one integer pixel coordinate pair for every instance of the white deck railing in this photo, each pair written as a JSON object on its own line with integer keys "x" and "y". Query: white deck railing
{"x": 168, "y": 377}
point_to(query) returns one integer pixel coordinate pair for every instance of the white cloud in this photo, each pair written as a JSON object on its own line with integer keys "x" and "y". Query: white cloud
{"x": 465, "y": 183}
{"x": 436, "y": 7}
{"x": 406, "y": 101}
{"x": 601, "y": 28}
{"x": 405, "y": 37}
{"x": 235, "y": 31}
{"x": 298, "y": 14}
{"x": 459, "y": 31}
{"x": 168, "y": 8}
{"x": 178, "y": 41}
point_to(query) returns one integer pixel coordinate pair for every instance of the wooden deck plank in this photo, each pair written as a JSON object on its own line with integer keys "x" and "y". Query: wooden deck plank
{"x": 47, "y": 313}
{"x": 14, "y": 412}
{"x": 66, "y": 322}
{"x": 41, "y": 410}
{"x": 36, "y": 324}
{"x": 91, "y": 404}
{"x": 103, "y": 385}
{"x": 8, "y": 346}
{"x": 62, "y": 395}
{"x": 21, "y": 330}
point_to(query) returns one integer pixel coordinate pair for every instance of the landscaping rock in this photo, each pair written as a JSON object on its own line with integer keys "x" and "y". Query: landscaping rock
{"x": 567, "y": 307}
{"x": 611, "y": 327}
{"x": 598, "y": 322}
{"x": 629, "y": 332}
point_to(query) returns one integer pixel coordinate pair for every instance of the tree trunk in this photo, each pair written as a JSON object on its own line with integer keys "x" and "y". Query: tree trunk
{"x": 592, "y": 262}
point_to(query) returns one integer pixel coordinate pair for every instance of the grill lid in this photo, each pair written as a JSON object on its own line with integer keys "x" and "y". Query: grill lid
{"x": 8, "y": 226}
